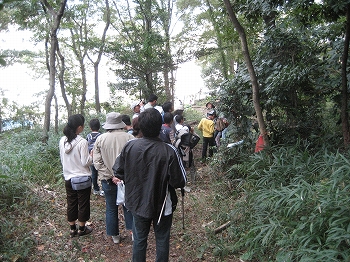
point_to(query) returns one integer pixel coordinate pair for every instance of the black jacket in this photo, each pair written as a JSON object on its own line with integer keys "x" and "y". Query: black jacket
{"x": 147, "y": 166}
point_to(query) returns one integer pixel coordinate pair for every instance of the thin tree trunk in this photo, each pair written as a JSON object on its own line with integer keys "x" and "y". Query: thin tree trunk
{"x": 168, "y": 67}
{"x": 345, "y": 95}
{"x": 56, "y": 114}
{"x": 56, "y": 20}
{"x": 98, "y": 60}
{"x": 61, "y": 80}
{"x": 83, "y": 93}
{"x": 253, "y": 77}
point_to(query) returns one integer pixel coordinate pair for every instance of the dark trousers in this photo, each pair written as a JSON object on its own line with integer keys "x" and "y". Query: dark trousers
{"x": 208, "y": 141}
{"x": 162, "y": 232}
{"x": 78, "y": 203}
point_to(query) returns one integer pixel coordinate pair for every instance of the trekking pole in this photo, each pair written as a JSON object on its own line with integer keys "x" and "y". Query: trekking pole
{"x": 183, "y": 208}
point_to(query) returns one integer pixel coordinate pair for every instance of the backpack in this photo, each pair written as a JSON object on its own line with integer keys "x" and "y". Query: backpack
{"x": 185, "y": 138}
{"x": 220, "y": 124}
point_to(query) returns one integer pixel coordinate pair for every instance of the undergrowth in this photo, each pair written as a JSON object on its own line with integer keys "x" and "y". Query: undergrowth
{"x": 283, "y": 204}
{"x": 25, "y": 163}
{"x": 289, "y": 204}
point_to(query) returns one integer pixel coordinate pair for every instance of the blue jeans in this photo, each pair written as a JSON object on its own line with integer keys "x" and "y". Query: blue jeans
{"x": 112, "y": 221}
{"x": 94, "y": 175}
{"x": 128, "y": 219}
{"x": 162, "y": 233}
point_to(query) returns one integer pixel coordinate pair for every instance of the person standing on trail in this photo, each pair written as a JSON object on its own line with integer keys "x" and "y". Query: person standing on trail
{"x": 151, "y": 102}
{"x": 150, "y": 185}
{"x": 136, "y": 108}
{"x": 76, "y": 160}
{"x": 106, "y": 149}
{"x": 167, "y": 133}
{"x": 91, "y": 138}
{"x": 206, "y": 125}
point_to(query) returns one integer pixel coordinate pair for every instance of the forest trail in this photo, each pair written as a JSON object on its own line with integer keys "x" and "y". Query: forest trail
{"x": 188, "y": 242}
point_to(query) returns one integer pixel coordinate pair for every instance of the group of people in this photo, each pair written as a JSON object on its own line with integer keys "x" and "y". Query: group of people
{"x": 148, "y": 138}
{"x": 150, "y": 184}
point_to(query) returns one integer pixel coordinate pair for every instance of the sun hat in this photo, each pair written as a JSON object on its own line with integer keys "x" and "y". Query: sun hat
{"x": 114, "y": 121}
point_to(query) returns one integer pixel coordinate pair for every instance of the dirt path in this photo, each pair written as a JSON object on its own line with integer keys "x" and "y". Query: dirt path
{"x": 188, "y": 244}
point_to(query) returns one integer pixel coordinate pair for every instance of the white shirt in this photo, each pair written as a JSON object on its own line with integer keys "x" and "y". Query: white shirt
{"x": 75, "y": 157}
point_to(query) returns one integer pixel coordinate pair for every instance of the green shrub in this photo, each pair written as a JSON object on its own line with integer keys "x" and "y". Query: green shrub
{"x": 295, "y": 207}
{"x": 25, "y": 164}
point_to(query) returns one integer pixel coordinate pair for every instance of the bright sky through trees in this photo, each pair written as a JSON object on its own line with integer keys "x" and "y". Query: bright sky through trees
{"x": 19, "y": 83}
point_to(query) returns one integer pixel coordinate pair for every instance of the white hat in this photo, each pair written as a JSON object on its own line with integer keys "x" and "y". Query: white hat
{"x": 114, "y": 121}
{"x": 134, "y": 104}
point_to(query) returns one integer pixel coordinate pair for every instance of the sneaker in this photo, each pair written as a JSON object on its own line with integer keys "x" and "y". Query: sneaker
{"x": 87, "y": 231}
{"x": 187, "y": 189}
{"x": 102, "y": 193}
{"x": 132, "y": 237}
{"x": 73, "y": 233}
{"x": 116, "y": 239}
{"x": 96, "y": 192}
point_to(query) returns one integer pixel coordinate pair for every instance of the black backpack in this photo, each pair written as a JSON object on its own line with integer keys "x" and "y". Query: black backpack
{"x": 185, "y": 138}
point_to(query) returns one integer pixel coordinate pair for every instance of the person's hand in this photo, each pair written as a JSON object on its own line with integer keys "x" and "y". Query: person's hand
{"x": 115, "y": 180}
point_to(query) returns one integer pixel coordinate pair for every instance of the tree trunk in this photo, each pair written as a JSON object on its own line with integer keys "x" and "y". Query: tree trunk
{"x": 97, "y": 88}
{"x": 56, "y": 114}
{"x": 253, "y": 77}
{"x": 83, "y": 93}
{"x": 344, "y": 101}
{"x": 168, "y": 66}
{"x": 56, "y": 20}
{"x": 98, "y": 60}
{"x": 61, "y": 80}
{"x": 167, "y": 84}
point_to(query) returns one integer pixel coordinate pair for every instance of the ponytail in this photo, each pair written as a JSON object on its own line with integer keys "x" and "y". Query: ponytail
{"x": 70, "y": 129}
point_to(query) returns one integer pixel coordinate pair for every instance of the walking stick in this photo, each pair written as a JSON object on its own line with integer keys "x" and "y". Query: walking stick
{"x": 183, "y": 209}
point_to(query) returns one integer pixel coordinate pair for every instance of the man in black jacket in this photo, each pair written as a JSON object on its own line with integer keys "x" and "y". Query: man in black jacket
{"x": 151, "y": 170}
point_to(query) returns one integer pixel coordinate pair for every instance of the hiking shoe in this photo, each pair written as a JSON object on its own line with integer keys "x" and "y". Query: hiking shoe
{"x": 87, "y": 231}
{"x": 102, "y": 193}
{"x": 116, "y": 239}
{"x": 73, "y": 232}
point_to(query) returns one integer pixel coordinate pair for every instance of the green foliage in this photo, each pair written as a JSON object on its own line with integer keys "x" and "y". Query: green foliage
{"x": 25, "y": 163}
{"x": 294, "y": 206}
{"x": 27, "y": 158}
{"x": 192, "y": 115}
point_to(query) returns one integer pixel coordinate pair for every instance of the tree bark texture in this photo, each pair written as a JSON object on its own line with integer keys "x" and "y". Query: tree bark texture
{"x": 56, "y": 20}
